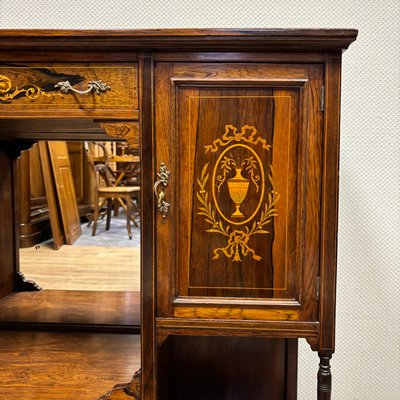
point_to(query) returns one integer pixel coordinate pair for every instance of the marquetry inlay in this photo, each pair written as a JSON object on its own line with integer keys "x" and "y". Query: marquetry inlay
{"x": 9, "y": 92}
{"x": 238, "y": 167}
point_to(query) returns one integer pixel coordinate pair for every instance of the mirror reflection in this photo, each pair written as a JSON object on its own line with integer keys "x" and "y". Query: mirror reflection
{"x": 79, "y": 234}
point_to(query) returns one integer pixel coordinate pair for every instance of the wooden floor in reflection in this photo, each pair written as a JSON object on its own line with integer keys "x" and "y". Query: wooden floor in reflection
{"x": 64, "y": 366}
{"x": 82, "y": 267}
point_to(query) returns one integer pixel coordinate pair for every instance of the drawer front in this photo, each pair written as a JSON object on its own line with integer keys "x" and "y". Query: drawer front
{"x": 42, "y": 91}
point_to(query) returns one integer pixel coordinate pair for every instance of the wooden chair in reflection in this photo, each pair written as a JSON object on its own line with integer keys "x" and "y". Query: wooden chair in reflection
{"x": 110, "y": 194}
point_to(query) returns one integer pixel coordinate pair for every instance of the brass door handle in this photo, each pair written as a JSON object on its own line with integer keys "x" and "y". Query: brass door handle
{"x": 159, "y": 186}
{"x": 93, "y": 86}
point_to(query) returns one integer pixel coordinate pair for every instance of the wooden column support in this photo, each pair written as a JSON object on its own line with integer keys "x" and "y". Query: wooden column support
{"x": 324, "y": 377}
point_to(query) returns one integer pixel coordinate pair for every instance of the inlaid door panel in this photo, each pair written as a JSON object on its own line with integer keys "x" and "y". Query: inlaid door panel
{"x": 237, "y": 146}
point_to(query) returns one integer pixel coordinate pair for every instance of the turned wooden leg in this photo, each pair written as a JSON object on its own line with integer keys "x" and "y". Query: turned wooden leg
{"x": 95, "y": 215}
{"x": 109, "y": 207}
{"x": 324, "y": 377}
{"x": 128, "y": 215}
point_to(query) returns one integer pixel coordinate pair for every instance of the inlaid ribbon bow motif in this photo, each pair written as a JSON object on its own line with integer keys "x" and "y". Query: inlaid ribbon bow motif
{"x": 247, "y": 134}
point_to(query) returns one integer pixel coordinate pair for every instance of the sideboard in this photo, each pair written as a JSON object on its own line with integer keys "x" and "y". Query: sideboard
{"x": 239, "y": 141}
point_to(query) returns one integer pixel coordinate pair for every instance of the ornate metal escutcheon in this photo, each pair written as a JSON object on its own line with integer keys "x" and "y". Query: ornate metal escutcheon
{"x": 159, "y": 186}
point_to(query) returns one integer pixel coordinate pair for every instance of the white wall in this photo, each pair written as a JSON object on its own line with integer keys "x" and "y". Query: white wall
{"x": 367, "y": 361}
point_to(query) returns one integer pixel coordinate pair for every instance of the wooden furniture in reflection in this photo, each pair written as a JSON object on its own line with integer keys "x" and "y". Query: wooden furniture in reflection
{"x": 126, "y": 168}
{"x": 64, "y": 183}
{"x": 112, "y": 193}
{"x": 240, "y": 138}
{"x": 57, "y": 230}
{"x": 34, "y": 216}
{"x": 33, "y": 195}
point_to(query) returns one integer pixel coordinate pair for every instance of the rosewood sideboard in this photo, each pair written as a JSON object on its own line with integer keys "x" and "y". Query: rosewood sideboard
{"x": 239, "y": 141}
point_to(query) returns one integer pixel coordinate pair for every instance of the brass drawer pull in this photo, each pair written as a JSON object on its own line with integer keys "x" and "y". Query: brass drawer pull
{"x": 159, "y": 187}
{"x": 96, "y": 86}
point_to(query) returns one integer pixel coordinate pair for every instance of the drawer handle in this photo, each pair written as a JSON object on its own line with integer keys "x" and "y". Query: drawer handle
{"x": 159, "y": 187}
{"x": 93, "y": 86}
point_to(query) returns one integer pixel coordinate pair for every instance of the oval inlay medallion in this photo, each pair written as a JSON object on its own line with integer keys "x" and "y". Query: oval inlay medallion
{"x": 237, "y": 180}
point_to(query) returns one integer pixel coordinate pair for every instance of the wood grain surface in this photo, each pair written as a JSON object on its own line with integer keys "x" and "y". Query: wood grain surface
{"x": 179, "y": 39}
{"x": 76, "y": 307}
{"x": 64, "y": 366}
{"x": 199, "y": 368}
{"x": 121, "y": 100}
{"x": 174, "y": 65}
{"x": 229, "y": 113}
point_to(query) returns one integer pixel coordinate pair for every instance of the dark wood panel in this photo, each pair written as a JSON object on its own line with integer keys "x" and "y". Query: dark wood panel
{"x": 330, "y": 203}
{"x": 238, "y": 57}
{"x": 7, "y": 231}
{"x": 248, "y": 248}
{"x": 199, "y": 368}
{"x": 72, "y": 307}
{"x": 254, "y": 247}
{"x": 147, "y": 221}
{"x": 129, "y": 55}
{"x": 64, "y": 366}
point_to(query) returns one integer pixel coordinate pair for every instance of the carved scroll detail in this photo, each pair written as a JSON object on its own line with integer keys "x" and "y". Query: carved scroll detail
{"x": 130, "y": 391}
{"x": 21, "y": 284}
{"x": 126, "y": 130}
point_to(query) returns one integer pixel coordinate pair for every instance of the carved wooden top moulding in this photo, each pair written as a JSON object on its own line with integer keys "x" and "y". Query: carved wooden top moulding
{"x": 181, "y": 39}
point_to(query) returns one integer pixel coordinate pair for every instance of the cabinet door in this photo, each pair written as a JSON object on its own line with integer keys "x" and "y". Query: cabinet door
{"x": 242, "y": 143}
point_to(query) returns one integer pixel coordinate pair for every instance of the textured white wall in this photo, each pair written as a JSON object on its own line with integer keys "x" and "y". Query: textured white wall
{"x": 366, "y": 365}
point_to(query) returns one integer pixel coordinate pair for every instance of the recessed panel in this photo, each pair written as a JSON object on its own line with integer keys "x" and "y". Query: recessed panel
{"x": 239, "y": 189}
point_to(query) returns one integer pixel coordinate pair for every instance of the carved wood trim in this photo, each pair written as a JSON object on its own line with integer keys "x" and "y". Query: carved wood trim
{"x": 313, "y": 342}
{"x": 129, "y": 391}
{"x": 177, "y": 39}
{"x": 125, "y": 130}
{"x": 21, "y": 284}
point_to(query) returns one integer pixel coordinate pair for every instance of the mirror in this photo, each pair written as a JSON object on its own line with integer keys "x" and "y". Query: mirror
{"x": 90, "y": 284}
{"x": 88, "y": 277}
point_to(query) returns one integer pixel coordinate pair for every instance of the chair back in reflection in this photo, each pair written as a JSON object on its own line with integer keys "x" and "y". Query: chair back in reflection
{"x": 110, "y": 195}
